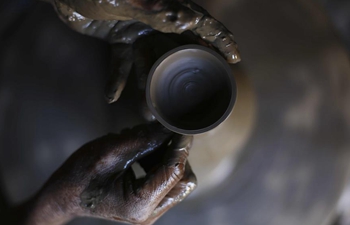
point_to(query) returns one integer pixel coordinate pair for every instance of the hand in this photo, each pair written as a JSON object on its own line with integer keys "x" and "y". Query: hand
{"x": 124, "y": 22}
{"x": 167, "y": 16}
{"x": 98, "y": 181}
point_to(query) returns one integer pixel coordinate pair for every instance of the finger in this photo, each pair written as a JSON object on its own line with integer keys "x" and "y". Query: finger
{"x": 181, "y": 190}
{"x": 158, "y": 184}
{"x": 216, "y": 34}
{"x": 187, "y": 16}
{"x": 113, "y": 153}
{"x": 154, "y": 160}
{"x": 121, "y": 66}
{"x": 173, "y": 165}
{"x": 192, "y": 38}
{"x": 141, "y": 141}
{"x": 167, "y": 17}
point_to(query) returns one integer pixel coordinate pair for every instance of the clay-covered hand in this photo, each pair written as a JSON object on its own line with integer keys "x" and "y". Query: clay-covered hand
{"x": 98, "y": 181}
{"x": 167, "y": 16}
{"x": 122, "y": 22}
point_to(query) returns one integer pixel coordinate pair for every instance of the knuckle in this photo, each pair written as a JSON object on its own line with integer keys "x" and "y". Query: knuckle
{"x": 141, "y": 216}
{"x": 177, "y": 172}
{"x": 137, "y": 212}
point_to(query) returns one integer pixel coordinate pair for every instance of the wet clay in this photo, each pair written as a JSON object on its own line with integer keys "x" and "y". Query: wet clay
{"x": 123, "y": 21}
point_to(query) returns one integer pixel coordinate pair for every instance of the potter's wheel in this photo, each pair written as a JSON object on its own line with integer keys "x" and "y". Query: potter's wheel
{"x": 287, "y": 143}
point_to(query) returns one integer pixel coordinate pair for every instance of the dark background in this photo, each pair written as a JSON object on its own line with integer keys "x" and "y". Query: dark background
{"x": 51, "y": 102}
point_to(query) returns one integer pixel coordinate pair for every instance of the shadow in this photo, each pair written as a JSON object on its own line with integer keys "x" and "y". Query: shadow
{"x": 4, "y": 204}
{"x": 13, "y": 12}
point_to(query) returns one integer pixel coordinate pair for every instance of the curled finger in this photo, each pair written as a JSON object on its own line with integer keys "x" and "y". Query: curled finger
{"x": 157, "y": 184}
{"x": 121, "y": 66}
{"x": 182, "y": 189}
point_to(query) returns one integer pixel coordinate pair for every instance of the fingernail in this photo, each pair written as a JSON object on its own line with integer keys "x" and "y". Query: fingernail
{"x": 234, "y": 58}
{"x": 110, "y": 94}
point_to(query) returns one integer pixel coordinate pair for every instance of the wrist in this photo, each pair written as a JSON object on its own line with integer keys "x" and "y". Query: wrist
{"x": 49, "y": 206}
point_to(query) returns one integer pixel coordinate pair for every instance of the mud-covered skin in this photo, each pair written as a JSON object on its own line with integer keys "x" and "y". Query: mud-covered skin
{"x": 100, "y": 17}
{"x": 123, "y": 22}
{"x": 98, "y": 181}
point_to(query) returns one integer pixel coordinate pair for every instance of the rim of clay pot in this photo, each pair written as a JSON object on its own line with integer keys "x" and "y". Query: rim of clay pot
{"x": 225, "y": 66}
